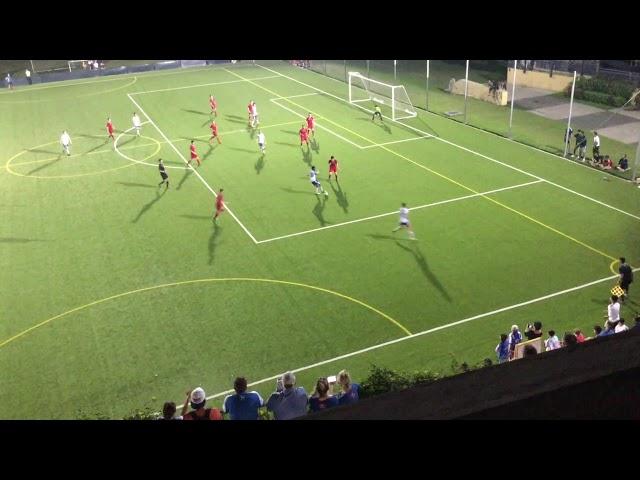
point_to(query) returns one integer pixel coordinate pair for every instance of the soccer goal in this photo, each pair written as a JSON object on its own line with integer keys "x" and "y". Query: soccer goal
{"x": 364, "y": 89}
{"x": 79, "y": 64}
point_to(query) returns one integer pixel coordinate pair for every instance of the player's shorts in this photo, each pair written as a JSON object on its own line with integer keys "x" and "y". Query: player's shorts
{"x": 333, "y": 170}
{"x": 261, "y": 145}
{"x": 378, "y": 114}
{"x": 164, "y": 175}
{"x": 304, "y": 139}
{"x": 315, "y": 184}
{"x": 624, "y": 285}
{"x": 110, "y": 132}
{"x": 404, "y": 223}
{"x": 219, "y": 208}
{"x": 194, "y": 156}
{"x": 311, "y": 126}
{"x": 214, "y": 134}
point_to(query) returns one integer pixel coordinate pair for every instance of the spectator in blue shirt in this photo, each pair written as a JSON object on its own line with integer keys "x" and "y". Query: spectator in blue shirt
{"x": 350, "y": 391}
{"x": 321, "y": 398}
{"x": 515, "y": 337}
{"x": 242, "y": 405}
{"x": 288, "y": 401}
{"x": 502, "y": 350}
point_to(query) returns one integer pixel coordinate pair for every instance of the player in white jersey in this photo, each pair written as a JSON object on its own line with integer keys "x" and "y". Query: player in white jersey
{"x": 255, "y": 120}
{"x": 313, "y": 176}
{"x": 404, "y": 221}
{"x": 136, "y": 123}
{"x": 65, "y": 141}
{"x": 261, "y": 141}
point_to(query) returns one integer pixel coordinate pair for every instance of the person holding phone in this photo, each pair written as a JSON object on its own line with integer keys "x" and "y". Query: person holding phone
{"x": 321, "y": 398}
{"x": 288, "y": 401}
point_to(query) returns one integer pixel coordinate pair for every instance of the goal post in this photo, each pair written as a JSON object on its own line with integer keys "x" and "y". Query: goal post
{"x": 365, "y": 89}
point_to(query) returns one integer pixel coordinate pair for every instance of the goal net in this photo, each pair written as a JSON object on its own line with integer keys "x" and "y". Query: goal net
{"x": 364, "y": 89}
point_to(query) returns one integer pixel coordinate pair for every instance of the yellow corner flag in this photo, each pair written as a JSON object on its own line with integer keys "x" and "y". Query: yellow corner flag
{"x": 616, "y": 290}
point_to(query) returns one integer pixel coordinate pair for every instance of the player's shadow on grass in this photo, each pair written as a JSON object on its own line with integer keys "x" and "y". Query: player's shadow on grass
{"x": 428, "y": 127}
{"x": 45, "y": 165}
{"x": 141, "y": 185}
{"x": 288, "y": 144}
{"x": 242, "y": 149}
{"x": 148, "y": 206}
{"x": 315, "y": 146}
{"x": 341, "y": 197}
{"x": 195, "y": 140}
{"x": 236, "y": 119}
{"x": 384, "y": 126}
{"x": 19, "y": 240}
{"x": 212, "y": 241}
{"x": 318, "y": 210}
{"x": 307, "y": 156}
{"x": 39, "y": 150}
{"x": 426, "y": 271}
{"x": 197, "y": 217}
{"x": 187, "y": 174}
{"x": 130, "y": 138}
{"x": 290, "y": 132}
{"x": 94, "y": 148}
{"x": 259, "y": 165}
{"x": 197, "y": 112}
{"x": 209, "y": 152}
{"x": 252, "y": 132}
{"x": 291, "y": 190}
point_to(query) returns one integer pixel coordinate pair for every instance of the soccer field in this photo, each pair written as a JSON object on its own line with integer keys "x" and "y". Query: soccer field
{"x": 118, "y": 295}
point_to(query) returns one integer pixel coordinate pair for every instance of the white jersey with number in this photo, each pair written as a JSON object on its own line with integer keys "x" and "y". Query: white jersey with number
{"x": 312, "y": 176}
{"x": 65, "y": 139}
{"x": 404, "y": 215}
{"x": 136, "y": 120}
{"x": 261, "y": 138}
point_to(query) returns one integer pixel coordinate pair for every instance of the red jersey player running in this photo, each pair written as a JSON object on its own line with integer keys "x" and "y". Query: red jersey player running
{"x": 250, "y": 110}
{"x": 110, "y": 130}
{"x": 311, "y": 124}
{"x": 214, "y": 105}
{"x": 194, "y": 155}
{"x": 219, "y": 205}
{"x": 333, "y": 167}
{"x": 304, "y": 135}
{"x": 214, "y": 132}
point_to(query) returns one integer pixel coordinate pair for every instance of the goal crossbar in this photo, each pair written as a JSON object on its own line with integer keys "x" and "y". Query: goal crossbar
{"x": 365, "y": 89}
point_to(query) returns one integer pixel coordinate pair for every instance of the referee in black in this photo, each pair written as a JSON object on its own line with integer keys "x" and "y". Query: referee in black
{"x": 626, "y": 275}
{"x": 163, "y": 174}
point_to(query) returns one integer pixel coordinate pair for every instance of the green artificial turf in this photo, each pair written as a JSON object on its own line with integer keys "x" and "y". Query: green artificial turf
{"x": 118, "y": 295}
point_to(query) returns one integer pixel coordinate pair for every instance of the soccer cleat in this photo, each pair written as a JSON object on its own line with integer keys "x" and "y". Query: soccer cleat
{"x": 326, "y": 194}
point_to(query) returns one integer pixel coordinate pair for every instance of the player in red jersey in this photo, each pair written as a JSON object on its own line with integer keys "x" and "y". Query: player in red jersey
{"x": 110, "y": 130}
{"x": 194, "y": 155}
{"x": 250, "y": 110}
{"x": 214, "y": 132}
{"x": 304, "y": 135}
{"x": 333, "y": 167}
{"x": 311, "y": 124}
{"x": 219, "y": 205}
{"x": 214, "y": 105}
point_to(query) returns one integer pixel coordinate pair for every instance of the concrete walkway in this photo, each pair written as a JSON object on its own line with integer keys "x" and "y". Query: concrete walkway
{"x": 617, "y": 124}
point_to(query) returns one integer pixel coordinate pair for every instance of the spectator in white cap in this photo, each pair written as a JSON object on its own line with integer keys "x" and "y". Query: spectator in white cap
{"x": 197, "y": 399}
{"x": 288, "y": 401}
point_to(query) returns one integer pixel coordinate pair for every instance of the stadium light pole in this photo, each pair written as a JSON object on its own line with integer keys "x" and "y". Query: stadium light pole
{"x": 637, "y": 164}
{"x": 367, "y": 68}
{"x": 566, "y": 133}
{"x": 427, "y": 91}
{"x": 33, "y": 69}
{"x": 466, "y": 88}
{"x": 395, "y": 65}
{"x": 345, "y": 70}
{"x": 513, "y": 93}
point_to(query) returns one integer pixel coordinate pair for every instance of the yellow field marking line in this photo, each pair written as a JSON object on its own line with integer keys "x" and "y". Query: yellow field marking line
{"x": 206, "y": 280}
{"x": 455, "y": 182}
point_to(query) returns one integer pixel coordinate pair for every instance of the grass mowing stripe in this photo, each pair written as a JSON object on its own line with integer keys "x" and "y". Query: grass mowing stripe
{"x": 200, "y": 85}
{"x": 449, "y": 179}
{"x": 193, "y": 169}
{"x": 468, "y": 150}
{"x": 426, "y": 332}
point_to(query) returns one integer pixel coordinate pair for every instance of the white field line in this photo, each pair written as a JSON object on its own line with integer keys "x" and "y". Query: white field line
{"x": 201, "y": 85}
{"x": 466, "y": 149}
{"x": 318, "y": 125}
{"x": 36, "y": 88}
{"x": 395, "y": 212}
{"x": 193, "y": 169}
{"x": 426, "y": 332}
{"x": 291, "y": 96}
{"x": 397, "y": 141}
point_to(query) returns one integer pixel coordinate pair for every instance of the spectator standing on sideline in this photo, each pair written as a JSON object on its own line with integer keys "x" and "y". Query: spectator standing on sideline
{"x": 502, "y": 349}
{"x": 613, "y": 312}
{"x": 242, "y": 405}
{"x": 515, "y": 337}
{"x": 27, "y": 73}
{"x": 596, "y": 145}
{"x": 197, "y": 399}
{"x": 567, "y": 138}
{"x": 288, "y": 401}
{"x": 552, "y": 343}
{"x": 626, "y": 275}
{"x": 350, "y": 391}
{"x": 322, "y": 398}
{"x": 533, "y": 331}
{"x": 9, "y": 81}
